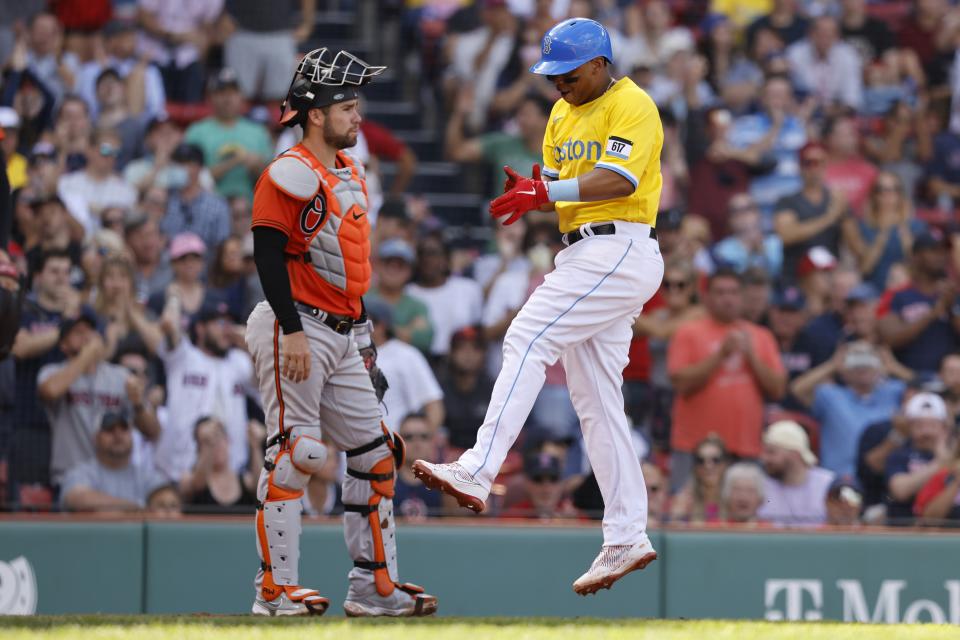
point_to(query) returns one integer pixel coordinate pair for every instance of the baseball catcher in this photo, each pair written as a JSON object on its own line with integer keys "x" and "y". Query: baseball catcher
{"x": 311, "y": 344}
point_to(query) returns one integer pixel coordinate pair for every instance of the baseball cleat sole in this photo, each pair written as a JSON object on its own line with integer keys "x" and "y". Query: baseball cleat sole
{"x": 424, "y": 606}
{"x": 607, "y": 581}
{"x": 424, "y": 475}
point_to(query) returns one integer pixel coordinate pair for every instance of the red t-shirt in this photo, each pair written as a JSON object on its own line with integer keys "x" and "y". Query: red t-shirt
{"x": 731, "y": 403}
{"x": 638, "y": 368}
{"x": 853, "y": 178}
{"x": 381, "y": 142}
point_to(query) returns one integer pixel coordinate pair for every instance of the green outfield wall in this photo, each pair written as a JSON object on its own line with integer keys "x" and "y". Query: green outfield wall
{"x": 489, "y": 570}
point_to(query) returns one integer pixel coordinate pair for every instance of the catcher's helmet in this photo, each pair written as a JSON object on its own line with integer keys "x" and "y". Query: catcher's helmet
{"x": 323, "y": 78}
{"x": 570, "y": 44}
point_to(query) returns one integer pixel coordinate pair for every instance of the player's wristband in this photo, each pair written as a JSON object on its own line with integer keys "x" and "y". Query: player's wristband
{"x": 564, "y": 190}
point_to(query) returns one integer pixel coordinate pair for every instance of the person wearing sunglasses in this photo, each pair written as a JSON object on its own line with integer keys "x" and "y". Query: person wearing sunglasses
{"x": 679, "y": 293}
{"x": 602, "y": 175}
{"x": 411, "y": 499}
{"x": 884, "y": 235}
{"x": 98, "y": 186}
{"x": 810, "y": 217}
{"x": 699, "y": 499}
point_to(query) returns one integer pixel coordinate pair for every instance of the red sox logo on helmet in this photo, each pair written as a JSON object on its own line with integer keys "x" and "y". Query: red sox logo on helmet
{"x": 313, "y": 215}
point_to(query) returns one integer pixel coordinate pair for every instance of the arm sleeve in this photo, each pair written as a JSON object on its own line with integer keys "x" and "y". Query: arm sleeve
{"x": 268, "y": 246}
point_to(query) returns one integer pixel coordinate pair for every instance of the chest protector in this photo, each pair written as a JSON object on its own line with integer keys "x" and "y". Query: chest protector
{"x": 330, "y": 237}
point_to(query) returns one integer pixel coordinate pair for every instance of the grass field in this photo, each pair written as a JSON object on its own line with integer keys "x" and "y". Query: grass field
{"x": 247, "y": 628}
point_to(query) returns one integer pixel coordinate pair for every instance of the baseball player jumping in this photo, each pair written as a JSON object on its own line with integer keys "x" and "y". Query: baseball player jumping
{"x": 601, "y": 172}
{"x": 312, "y": 349}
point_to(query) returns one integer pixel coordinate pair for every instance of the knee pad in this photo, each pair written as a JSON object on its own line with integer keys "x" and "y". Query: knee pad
{"x": 307, "y": 454}
{"x": 293, "y": 465}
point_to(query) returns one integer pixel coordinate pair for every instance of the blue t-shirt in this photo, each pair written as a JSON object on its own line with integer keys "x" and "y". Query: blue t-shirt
{"x": 415, "y": 500}
{"x": 731, "y": 251}
{"x": 844, "y": 416}
{"x": 946, "y": 158}
{"x": 28, "y": 413}
{"x": 874, "y": 484}
{"x": 820, "y": 337}
{"x": 906, "y": 459}
{"x": 937, "y": 340}
{"x": 892, "y": 252}
{"x": 785, "y": 177}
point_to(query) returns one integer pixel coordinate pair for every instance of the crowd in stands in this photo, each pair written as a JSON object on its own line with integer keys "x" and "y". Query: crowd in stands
{"x": 799, "y": 366}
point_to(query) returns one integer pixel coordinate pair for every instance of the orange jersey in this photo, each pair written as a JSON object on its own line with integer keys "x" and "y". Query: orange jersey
{"x": 323, "y": 213}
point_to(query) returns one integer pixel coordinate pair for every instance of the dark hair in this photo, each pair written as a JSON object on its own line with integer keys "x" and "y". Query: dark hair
{"x": 724, "y": 272}
{"x": 217, "y": 277}
{"x": 415, "y": 415}
{"x": 52, "y": 254}
{"x": 207, "y": 418}
{"x": 72, "y": 97}
{"x": 545, "y": 106}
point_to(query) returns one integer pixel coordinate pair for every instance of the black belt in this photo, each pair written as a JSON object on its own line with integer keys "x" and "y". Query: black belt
{"x": 606, "y": 229}
{"x": 340, "y": 324}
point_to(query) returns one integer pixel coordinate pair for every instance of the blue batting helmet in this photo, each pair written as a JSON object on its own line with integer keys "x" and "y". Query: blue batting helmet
{"x": 570, "y": 44}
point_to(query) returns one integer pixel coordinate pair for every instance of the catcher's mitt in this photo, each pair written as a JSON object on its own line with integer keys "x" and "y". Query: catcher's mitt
{"x": 380, "y": 384}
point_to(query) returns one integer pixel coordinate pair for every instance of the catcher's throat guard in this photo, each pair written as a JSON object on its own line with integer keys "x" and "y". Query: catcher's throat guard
{"x": 323, "y": 78}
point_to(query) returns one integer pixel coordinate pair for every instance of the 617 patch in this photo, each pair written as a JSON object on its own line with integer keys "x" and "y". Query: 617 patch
{"x": 619, "y": 147}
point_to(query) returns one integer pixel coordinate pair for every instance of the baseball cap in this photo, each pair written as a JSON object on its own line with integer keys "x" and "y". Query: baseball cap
{"x": 929, "y": 240}
{"x": 926, "y": 405}
{"x": 87, "y": 315}
{"x": 467, "y": 334}
{"x": 186, "y": 243}
{"x": 186, "y": 152}
{"x": 861, "y": 356}
{"x": 787, "y": 434}
{"x": 789, "y": 299}
{"x": 670, "y": 219}
{"x": 378, "y": 311}
{"x": 108, "y": 72}
{"x": 226, "y": 78}
{"x": 816, "y": 259}
{"x": 116, "y": 27}
{"x": 396, "y": 248}
{"x": 863, "y": 292}
{"x": 110, "y": 420}
{"x": 9, "y": 118}
{"x": 812, "y": 151}
{"x": 212, "y": 308}
{"x": 42, "y": 151}
{"x": 542, "y": 466}
{"x": 847, "y": 489}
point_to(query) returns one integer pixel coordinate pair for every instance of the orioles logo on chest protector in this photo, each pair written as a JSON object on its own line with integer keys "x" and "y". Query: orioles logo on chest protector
{"x": 313, "y": 215}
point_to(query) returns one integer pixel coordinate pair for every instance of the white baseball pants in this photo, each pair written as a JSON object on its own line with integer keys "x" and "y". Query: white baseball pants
{"x": 583, "y": 313}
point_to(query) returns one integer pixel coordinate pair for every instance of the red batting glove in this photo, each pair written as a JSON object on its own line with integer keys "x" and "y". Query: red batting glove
{"x": 525, "y": 195}
{"x": 513, "y": 177}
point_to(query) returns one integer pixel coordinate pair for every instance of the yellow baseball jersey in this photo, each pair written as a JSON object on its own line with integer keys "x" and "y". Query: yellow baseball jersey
{"x": 620, "y": 131}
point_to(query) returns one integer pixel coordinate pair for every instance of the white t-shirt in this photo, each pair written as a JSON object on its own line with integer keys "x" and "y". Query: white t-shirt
{"x": 800, "y": 506}
{"x": 412, "y": 383}
{"x": 200, "y": 385}
{"x": 508, "y": 293}
{"x": 180, "y": 17}
{"x": 455, "y": 304}
{"x": 85, "y": 197}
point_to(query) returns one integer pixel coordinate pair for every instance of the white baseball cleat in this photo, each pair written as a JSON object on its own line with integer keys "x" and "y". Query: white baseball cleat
{"x": 613, "y": 563}
{"x": 453, "y": 480}
{"x": 406, "y": 601}
{"x": 296, "y": 601}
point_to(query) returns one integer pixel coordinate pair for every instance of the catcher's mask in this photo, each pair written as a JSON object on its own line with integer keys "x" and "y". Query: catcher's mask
{"x": 323, "y": 78}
